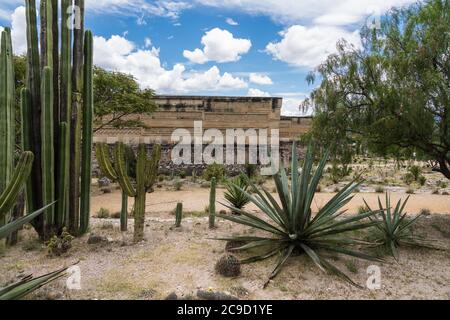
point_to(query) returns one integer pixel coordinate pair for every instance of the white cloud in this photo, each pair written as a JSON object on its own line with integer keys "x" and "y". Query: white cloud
{"x": 231, "y": 22}
{"x": 147, "y": 42}
{"x": 120, "y": 54}
{"x": 309, "y": 46}
{"x": 252, "y": 92}
{"x": 139, "y": 8}
{"x": 18, "y": 30}
{"x": 260, "y": 79}
{"x": 306, "y": 11}
{"x": 220, "y": 46}
{"x": 291, "y": 107}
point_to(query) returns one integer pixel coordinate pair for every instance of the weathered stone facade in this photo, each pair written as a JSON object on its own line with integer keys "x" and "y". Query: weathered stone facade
{"x": 221, "y": 113}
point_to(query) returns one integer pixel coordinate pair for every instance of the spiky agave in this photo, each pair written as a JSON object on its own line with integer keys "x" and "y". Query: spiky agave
{"x": 291, "y": 226}
{"x": 394, "y": 229}
{"x": 235, "y": 193}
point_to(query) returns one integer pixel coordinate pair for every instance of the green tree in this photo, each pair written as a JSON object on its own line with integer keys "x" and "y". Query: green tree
{"x": 117, "y": 98}
{"x": 391, "y": 95}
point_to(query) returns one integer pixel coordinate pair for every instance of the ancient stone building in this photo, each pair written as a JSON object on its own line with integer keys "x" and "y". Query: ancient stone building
{"x": 221, "y": 113}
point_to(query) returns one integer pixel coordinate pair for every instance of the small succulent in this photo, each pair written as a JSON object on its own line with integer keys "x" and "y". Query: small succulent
{"x": 228, "y": 266}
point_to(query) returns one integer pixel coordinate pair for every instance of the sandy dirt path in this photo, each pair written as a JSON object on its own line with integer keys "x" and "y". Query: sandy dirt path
{"x": 196, "y": 199}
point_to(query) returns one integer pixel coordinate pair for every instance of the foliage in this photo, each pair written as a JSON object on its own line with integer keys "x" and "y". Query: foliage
{"x": 394, "y": 229}
{"x": 392, "y": 93}
{"x": 178, "y": 185}
{"x": 29, "y": 284}
{"x": 102, "y": 213}
{"x": 214, "y": 170}
{"x": 58, "y": 245}
{"x": 250, "y": 170}
{"x": 117, "y": 97}
{"x": 415, "y": 171}
{"x": 291, "y": 226}
{"x": 235, "y": 193}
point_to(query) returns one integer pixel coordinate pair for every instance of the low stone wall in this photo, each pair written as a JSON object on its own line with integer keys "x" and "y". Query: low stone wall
{"x": 167, "y": 167}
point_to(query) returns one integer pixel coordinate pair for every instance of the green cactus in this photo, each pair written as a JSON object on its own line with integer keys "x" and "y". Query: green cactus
{"x": 212, "y": 204}
{"x": 7, "y": 119}
{"x": 136, "y": 187}
{"x": 50, "y": 130}
{"x": 86, "y": 147}
{"x": 178, "y": 215}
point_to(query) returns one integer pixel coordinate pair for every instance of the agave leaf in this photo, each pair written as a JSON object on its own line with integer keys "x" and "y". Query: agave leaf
{"x": 314, "y": 257}
{"x": 17, "y": 224}
{"x": 352, "y": 227}
{"x": 283, "y": 258}
{"x": 264, "y": 256}
{"x": 29, "y": 284}
{"x": 252, "y": 221}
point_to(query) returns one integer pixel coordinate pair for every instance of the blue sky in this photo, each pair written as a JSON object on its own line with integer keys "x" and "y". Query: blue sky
{"x": 218, "y": 47}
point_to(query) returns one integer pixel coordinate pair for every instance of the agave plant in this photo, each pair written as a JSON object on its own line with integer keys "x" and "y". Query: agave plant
{"x": 291, "y": 226}
{"x": 393, "y": 229}
{"x": 235, "y": 193}
{"x": 28, "y": 284}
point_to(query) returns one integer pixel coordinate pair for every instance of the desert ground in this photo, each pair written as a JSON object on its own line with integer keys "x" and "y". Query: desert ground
{"x": 181, "y": 260}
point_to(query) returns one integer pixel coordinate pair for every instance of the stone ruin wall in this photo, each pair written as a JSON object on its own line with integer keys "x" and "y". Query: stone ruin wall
{"x": 220, "y": 113}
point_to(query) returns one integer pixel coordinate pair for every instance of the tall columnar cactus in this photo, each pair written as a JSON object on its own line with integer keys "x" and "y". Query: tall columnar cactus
{"x": 62, "y": 145}
{"x": 178, "y": 215}
{"x": 212, "y": 204}
{"x": 136, "y": 187}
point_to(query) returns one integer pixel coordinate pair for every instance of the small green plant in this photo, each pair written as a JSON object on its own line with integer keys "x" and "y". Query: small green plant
{"x": 443, "y": 184}
{"x": 214, "y": 170}
{"x": 161, "y": 178}
{"x": 182, "y": 174}
{"x": 58, "y": 245}
{"x": 408, "y": 178}
{"x": 422, "y": 180}
{"x": 250, "y": 170}
{"x": 235, "y": 193}
{"x": 379, "y": 189}
{"x": 178, "y": 185}
{"x": 102, "y": 213}
{"x": 393, "y": 229}
{"x": 415, "y": 171}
